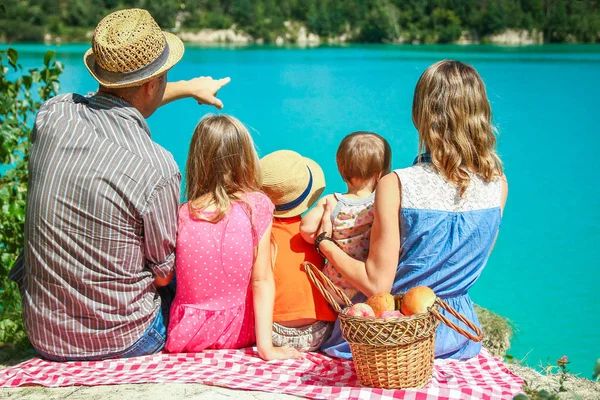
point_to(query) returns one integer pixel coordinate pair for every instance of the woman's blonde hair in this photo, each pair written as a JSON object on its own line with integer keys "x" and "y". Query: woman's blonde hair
{"x": 222, "y": 165}
{"x": 452, "y": 113}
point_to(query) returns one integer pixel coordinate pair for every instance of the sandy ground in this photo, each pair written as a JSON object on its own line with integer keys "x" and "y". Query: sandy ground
{"x": 170, "y": 391}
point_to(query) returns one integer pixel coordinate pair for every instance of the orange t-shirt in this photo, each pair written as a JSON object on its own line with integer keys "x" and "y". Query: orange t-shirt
{"x": 295, "y": 296}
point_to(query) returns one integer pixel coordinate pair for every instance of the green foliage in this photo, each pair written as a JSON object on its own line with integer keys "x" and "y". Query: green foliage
{"x": 22, "y": 94}
{"x": 447, "y": 25}
{"x": 369, "y": 20}
{"x": 381, "y": 25}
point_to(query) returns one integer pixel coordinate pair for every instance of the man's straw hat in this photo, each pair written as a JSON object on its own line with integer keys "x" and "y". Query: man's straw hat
{"x": 129, "y": 49}
{"x": 292, "y": 182}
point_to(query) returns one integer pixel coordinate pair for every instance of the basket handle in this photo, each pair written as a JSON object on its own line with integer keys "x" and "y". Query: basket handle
{"x": 460, "y": 317}
{"x": 324, "y": 284}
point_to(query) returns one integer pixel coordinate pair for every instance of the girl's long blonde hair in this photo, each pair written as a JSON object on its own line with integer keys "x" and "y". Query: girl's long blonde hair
{"x": 222, "y": 165}
{"x": 452, "y": 113}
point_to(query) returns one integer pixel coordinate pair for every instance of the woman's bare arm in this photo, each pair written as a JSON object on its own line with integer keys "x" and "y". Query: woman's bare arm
{"x": 503, "y": 197}
{"x": 378, "y": 272}
{"x": 504, "y": 193}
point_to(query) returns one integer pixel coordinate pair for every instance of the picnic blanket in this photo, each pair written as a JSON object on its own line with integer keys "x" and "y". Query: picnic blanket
{"x": 316, "y": 376}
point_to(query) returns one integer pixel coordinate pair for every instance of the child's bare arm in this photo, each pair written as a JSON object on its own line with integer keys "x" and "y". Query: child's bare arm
{"x": 312, "y": 219}
{"x": 263, "y": 294}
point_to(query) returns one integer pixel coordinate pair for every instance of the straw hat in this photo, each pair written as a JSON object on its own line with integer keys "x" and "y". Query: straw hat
{"x": 129, "y": 49}
{"x": 292, "y": 182}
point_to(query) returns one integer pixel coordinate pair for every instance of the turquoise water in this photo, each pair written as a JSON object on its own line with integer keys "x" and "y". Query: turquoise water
{"x": 544, "y": 272}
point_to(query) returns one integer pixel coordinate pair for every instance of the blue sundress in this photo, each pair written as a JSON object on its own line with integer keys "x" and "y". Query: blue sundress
{"x": 446, "y": 241}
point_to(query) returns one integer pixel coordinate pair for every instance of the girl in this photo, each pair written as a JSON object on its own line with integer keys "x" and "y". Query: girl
{"x": 436, "y": 221}
{"x": 225, "y": 286}
{"x": 362, "y": 159}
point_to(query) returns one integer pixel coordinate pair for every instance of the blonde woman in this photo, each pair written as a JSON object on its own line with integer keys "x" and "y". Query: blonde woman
{"x": 225, "y": 288}
{"x": 435, "y": 222}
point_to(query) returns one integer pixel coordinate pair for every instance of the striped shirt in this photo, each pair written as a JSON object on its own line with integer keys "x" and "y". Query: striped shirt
{"x": 101, "y": 223}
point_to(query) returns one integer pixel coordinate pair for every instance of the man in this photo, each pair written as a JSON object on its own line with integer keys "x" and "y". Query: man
{"x": 101, "y": 217}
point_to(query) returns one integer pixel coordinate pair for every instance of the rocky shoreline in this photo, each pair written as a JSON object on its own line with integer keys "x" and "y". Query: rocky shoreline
{"x": 498, "y": 334}
{"x": 298, "y": 35}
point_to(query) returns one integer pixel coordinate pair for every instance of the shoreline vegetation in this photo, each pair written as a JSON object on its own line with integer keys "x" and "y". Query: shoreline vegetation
{"x": 313, "y": 22}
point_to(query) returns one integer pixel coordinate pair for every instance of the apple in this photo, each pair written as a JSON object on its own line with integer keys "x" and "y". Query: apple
{"x": 391, "y": 314}
{"x": 361, "y": 310}
{"x": 417, "y": 300}
{"x": 381, "y": 302}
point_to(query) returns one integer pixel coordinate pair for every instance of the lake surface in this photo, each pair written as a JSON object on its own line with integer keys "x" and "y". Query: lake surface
{"x": 544, "y": 272}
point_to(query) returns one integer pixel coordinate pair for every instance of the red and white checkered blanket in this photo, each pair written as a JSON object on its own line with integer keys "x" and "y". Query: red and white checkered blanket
{"x": 316, "y": 376}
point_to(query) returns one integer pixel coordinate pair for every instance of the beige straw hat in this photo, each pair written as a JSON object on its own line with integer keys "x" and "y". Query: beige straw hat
{"x": 129, "y": 49}
{"x": 292, "y": 182}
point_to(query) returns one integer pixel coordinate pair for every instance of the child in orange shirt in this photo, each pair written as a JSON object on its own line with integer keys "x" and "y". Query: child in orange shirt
{"x": 302, "y": 318}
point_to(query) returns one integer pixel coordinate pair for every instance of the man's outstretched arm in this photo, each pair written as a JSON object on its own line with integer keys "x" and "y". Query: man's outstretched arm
{"x": 204, "y": 90}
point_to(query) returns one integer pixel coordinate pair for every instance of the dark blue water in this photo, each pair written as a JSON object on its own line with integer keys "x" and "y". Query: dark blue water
{"x": 544, "y": 272}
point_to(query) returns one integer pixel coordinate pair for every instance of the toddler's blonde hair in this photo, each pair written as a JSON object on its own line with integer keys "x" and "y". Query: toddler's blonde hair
{"x": 363, "y": 155}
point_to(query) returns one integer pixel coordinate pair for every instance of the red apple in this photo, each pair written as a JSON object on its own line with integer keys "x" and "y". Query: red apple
{"x": 391, "y": 314}
{"x": 361, "y": 310}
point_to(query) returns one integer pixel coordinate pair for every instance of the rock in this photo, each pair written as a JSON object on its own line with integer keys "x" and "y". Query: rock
{"x": 585, "y": 388}
{"x": 513, "y": 37}
{"x": 209, "y": 36}
{"x": 307, "y": 38}
{"x": 467, "y": 37}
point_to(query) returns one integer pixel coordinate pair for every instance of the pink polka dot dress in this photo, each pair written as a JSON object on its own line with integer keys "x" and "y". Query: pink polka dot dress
{"x": 213, "y": 308}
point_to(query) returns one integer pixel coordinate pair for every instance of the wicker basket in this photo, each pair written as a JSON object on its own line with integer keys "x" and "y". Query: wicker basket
{"x": 394, "y": 353}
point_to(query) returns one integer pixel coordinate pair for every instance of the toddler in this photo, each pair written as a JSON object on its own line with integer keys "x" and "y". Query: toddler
{"x": 362, "y": 159}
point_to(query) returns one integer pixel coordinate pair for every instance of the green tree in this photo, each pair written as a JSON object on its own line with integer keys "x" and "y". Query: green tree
{"x": 446, "y": 24}
{"x": 21, "y": 98}
{"x": 81, "y": 13}
{"x": 492, "y": 19}
{"x": 376, "y": 20}
{"x": 534, "y": 10}
{"x": 381, "y": 24}
{"x": 242, "y": 12}
{"x": 164, "y": 11}
{"x": 318, "y": 19}
{"x": 585, "y": 21}
{"x": 557, "y": 21}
